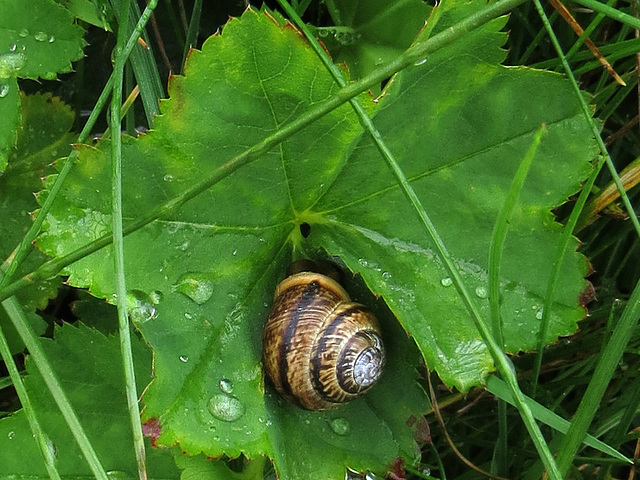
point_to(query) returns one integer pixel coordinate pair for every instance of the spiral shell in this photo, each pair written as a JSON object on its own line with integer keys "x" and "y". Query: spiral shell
{"x": 320, "y": 349}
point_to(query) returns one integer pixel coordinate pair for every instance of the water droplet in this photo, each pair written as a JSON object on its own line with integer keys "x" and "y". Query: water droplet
{"x": 539, "y": 314}
{"x": 481, "y": 292}
{"x": 422, "y": 61}
{"x": 198, "y": 286}
{"x": 188, "y": 316}
{"x": 225, "y": 407}
{"x": 4, "y": 90}
{"x": 340, "y": 426}
{"x": 386, "y": 275}
{"x": 11, "y": 434}
{"x": 140, "y": 306}
{"x": 216, "y": 438}
{"x": 10, "y": 63}
{"x": 168, "y": 177}
{"x": 23, "y": 33}
{"x": 156, "y": 296}
{"x": 184, "y": 358}
{"x": 226, "y": 385}
{"x": 52, "y": 39}
{"x": 235, "y": 252}
{"x": 41, "y": 36}
{"x": 49, "y": 75}
{"x": 446, "y": 281}
{"x": 13, "y": 47}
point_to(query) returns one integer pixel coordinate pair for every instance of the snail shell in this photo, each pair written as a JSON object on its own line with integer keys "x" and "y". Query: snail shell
{"x": 320, "y": 349}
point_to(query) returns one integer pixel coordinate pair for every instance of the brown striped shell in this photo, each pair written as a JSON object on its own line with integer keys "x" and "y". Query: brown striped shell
{"x": 320, "y": 349}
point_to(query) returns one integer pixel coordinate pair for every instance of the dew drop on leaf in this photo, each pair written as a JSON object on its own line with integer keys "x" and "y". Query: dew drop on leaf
{"x": 226, "y": 385}
{"x": 49, "y": 75}
{"x": 11, "y": 434}
{"x": 198, "y": 286}
{"x": 141, "y": 307}
{"x": 184, "y": 358}
{"x": 422, "y": 61}
{"x": 52, "y": 39}
{"x": 226, "y": 407}
{"x": 446, "y": 281}
{"x": 4, "y": 90}
{"x": 23, "y": 33}
{"x": 41, "y": 36}
{"x": 340, "y": 426}
{"x": 481, "y": 292}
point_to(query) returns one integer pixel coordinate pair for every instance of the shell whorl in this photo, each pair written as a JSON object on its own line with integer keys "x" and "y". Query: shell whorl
{"x": 320, "y": 349}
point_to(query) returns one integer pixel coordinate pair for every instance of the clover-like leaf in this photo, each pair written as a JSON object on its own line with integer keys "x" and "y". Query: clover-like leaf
{"x": 83, "y": 361}
{"x": 42, "y": 136}
{"x": 201, "y": 279}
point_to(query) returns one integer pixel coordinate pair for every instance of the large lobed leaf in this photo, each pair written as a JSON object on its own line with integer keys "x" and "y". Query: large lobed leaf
{"x": 201, "y": 279}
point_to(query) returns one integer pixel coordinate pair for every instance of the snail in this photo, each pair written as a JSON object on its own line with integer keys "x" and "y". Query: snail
{"x": 319, "y": 348}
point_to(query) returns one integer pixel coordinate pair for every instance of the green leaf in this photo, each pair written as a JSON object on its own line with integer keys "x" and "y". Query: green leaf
{"x": 37, "y": 39}
{"x": 203, "y": 277}
{"x": 95, "y": 12}
{"x": 83, "y": 360}
{"x": 370, "y": 34}
{"x": 42, "y": 136}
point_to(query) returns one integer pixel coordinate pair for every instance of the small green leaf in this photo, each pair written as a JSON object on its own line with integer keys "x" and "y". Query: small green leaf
{"x": 83, "y": 360}
{"x": 38, "y": 38}
{"x": 95, "y": 12}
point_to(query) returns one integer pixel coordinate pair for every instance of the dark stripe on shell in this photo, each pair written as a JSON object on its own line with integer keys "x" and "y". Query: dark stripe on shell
{"x": 297, "y": 311}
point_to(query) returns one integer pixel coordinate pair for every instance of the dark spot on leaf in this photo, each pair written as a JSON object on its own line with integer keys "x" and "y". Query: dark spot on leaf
{"x": 397, "y": 470}
{"x": 152, "y": 429}
{"x": 305, "y": 229}
{"x": 587, "y": 295}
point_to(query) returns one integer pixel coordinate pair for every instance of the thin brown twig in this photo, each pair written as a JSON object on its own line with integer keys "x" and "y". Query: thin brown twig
{"x": 636, "y": 455}
{"x": 158, "y": 36}
{"x": 568, "y": 17}
{"x": 436, "y": 412}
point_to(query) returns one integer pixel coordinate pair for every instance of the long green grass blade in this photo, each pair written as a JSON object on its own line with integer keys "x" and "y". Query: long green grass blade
{"x": 192, "y": 33}
{"x": 498, "y": 388}
{"x": 34, "y": 425}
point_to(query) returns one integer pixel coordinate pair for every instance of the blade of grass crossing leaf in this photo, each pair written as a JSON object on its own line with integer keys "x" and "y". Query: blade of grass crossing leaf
{"x": 495, "y": 255}
{"x": 612, "y": 353}
{"x": 192, "y": 33}
{"x": 498, "y": 388}
{"x": 41, "y": 438}
{"x": 409, "y": 57}
{"x": 27, "y": 242}
{"x": 500, "y": 234}
{"x": 118, "y": 246}
{"x": 502, "y": 363}
{"x": 16, "y": 315}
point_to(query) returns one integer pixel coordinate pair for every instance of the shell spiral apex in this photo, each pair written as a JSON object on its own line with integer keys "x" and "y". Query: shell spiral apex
{"x": 319, "y": 348}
